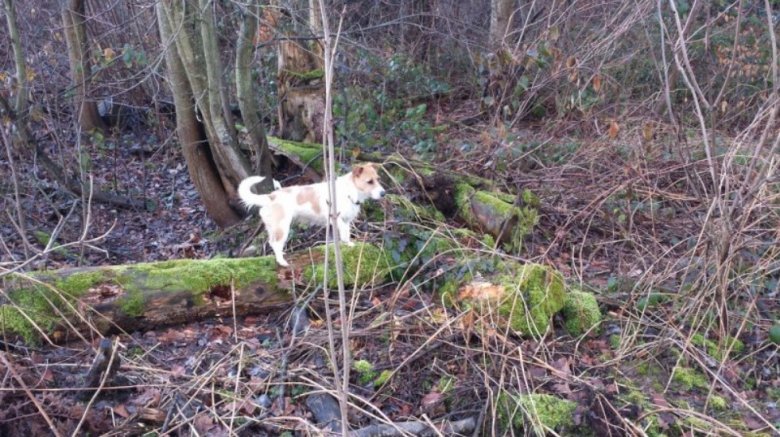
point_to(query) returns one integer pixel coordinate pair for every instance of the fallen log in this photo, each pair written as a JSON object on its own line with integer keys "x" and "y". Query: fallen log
{"x": 58, "y": 305}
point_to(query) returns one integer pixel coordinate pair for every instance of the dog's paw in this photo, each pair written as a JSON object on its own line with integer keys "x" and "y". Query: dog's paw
{"x": 282, "y": 262}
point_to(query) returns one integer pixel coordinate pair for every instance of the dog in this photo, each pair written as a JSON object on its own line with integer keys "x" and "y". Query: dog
{"x": 310, "y": 203}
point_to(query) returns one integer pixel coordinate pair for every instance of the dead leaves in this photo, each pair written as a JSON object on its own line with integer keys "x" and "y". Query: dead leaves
{"x": 596, "y": 83}
{"x": 614, "y": 129}
{"x": 479, "y": 290}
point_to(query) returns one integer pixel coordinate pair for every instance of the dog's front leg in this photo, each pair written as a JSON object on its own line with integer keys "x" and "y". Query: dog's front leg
{"x": 344, "y": 232}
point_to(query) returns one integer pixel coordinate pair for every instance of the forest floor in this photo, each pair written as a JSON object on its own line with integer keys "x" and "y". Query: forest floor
{"x": 608, "y": 220}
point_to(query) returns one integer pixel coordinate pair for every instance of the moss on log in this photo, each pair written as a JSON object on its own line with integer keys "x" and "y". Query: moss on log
{"x": 581, "y": 312}
{"x": 497, "y": 214}
{"x": 520, "y": 297}
{"x": 151, "y": 295}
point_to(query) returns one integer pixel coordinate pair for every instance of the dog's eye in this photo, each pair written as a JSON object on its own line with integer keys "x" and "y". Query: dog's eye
{"x": 371, "y": 182}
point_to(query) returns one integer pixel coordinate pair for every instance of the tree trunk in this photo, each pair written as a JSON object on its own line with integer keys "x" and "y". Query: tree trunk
{"x": 246, "y": 97}
{"x": 498, "y": 60}
{"x": 195, "y": 147}
{"x": 195, "y": 46}
{"x": 232, "y": 164}
{"x": 61, "y": 304}
{"x": 500, "y": 19}
{"x": 20, "y": 104}
{"x": 300, "y": 85}
{"x": 80, "y": 66}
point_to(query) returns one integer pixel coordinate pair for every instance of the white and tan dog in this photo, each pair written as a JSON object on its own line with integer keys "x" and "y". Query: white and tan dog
{"x": 309, "y": 203}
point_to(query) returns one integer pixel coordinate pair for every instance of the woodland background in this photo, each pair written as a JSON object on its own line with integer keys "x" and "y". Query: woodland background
{"x": 633, "y": 147}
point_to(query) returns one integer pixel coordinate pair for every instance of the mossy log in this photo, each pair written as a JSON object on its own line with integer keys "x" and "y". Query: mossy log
{"x": 59, "y": 304}
{"x": 507, "y": 294}
{"x": 475, "y": 201}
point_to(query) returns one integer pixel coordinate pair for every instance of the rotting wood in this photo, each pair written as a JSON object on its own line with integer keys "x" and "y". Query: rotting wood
{"x": 102, "y": 300}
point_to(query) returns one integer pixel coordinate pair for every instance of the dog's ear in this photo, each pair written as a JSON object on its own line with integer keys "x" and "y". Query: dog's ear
{"x": 357, "y": 171}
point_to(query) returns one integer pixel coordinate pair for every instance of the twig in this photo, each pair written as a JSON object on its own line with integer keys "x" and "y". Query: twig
{"x": 329, "y": 55}
{"x": 103, "y": 380}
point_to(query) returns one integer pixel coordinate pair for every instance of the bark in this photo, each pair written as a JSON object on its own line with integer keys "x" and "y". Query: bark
{"x": 73, "y": 16}
{"x": 498, "y": 59}
{"x": 191, "y": 26}
{"x": 233, "y": 165}
{"x": 300, "y": 86}
{"x": 195, "y": 147}
{"x": 500, "y": 18}
{"x": 78, "y": 302}
{"x": 246, "y": 97}
{"x": 20, "y": 105}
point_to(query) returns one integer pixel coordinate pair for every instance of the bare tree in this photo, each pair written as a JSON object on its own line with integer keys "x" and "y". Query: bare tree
{"x": 73, "y": 18}
{"x": 247, "y": 100}
{"x": 204, "y": 121}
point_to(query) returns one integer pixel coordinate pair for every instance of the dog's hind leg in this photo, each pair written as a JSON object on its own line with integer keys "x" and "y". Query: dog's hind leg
{"x": 276, "y": 239}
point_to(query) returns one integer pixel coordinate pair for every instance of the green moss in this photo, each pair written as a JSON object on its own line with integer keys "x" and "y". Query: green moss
{"x": 78, "y": 283}
{"x": 636, "y": 397}
{"x": 308, "y": 153}
{"x": 536, "y": 288}
{"x": 525, "y": 296}
{"x": 41, "y": 303}
{"x": 446, "y": 384}
{"x": 689, "y": 378}
{"x": 502, "y": 208}
{"x": 697, "y": 424}
{"x": 43, "y": 239}
{"x": 716, "y": 351}
{"x": 541, "y": 411}
{"x": 463, "y": 193}
{"x": 132, "y": 304}
{"x": 580, "y": 312}
{"x": 530, "y": 199}
{"x": 373, "y": 264}
{"x": 649, "y": 369}
{"x": 198, "y": 276}
{"x": 649, "y": 301}
{"x": 448, "y": 289}
{"x": 363, "y": 366}
{"x": 365, "y": 371}
{"x": 47, "y": 305}
{"x": 774, "y": 334}
{"x": 718, "y": 403}
{"x": 614, "y": 341}
{"x": 737, "y": 346}
{"x": 383, "y": 377}
{"x": 12, "y": 321}
{"x": 318, "y": 73}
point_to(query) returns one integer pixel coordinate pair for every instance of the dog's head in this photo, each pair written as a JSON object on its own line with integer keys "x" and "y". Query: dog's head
{"x": 366, "y": 180}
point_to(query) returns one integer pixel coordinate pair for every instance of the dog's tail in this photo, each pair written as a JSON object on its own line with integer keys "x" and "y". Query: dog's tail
{"x": 248, "y": 197}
